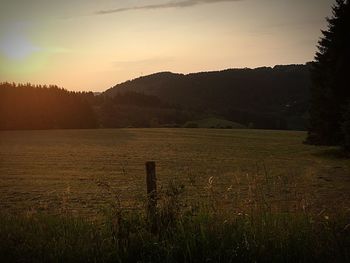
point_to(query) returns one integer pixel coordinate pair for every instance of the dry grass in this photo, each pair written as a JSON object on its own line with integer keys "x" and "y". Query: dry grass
{"x": 224, "y": 196}
{"x": 63, "y": 170}
{"x": 199, "y": 232}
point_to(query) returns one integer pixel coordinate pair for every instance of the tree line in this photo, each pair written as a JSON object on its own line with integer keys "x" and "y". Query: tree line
{"x": 27, "y": 106}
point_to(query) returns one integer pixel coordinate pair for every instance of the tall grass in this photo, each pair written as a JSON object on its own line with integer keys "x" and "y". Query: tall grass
{"x": 203, "y": 231}
{"x": 191, "y": 238}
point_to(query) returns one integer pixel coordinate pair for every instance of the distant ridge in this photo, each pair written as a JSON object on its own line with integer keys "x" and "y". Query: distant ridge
{"x": 264, "y": 97}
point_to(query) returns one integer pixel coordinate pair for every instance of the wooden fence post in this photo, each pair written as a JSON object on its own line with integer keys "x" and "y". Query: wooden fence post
{"x": 151, "y": 182}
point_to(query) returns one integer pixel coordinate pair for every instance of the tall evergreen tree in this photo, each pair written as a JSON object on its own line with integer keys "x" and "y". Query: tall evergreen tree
{"x": 330, "y": 92}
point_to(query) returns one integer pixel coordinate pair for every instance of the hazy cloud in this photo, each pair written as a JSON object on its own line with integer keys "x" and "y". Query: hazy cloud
{"x": 172, "y": 4}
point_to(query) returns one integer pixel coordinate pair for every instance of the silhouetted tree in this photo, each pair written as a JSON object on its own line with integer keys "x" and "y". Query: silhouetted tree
{"x": 330, "y": 92}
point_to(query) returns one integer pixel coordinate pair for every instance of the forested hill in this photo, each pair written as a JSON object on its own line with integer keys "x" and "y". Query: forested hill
{"x": 263, "y": 97}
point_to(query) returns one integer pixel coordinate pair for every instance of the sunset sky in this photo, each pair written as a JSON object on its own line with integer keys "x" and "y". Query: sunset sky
{"x": 93, "y": 45}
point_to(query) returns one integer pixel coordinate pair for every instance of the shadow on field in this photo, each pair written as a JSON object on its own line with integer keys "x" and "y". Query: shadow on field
{"x": 334, "y": 153}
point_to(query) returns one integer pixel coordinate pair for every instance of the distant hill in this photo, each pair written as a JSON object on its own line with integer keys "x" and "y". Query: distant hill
{"x": 213, "y": 123}
{"x": 263, "y": 98}
{"x": 274, "y": 98}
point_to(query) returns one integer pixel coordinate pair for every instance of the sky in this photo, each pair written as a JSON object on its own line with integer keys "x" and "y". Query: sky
{"x": 88, "y": 45}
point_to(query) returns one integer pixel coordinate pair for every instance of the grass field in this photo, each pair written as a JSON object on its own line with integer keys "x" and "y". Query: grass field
{"x": 80, "y": 171}
{"x": 224, "y": 196}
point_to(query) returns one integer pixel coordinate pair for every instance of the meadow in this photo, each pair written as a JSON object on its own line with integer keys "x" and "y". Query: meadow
{"x": 82, "y": 170}
{"x": 223, "y": 196}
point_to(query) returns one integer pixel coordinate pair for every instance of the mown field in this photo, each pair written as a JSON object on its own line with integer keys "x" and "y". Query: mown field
{"x": 82, "y": 171}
